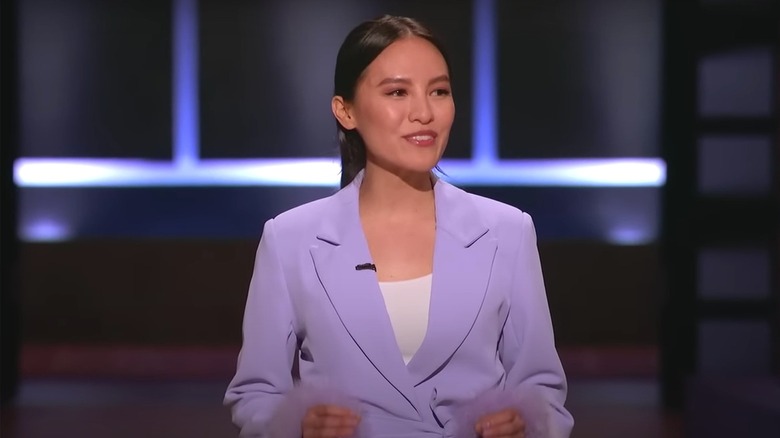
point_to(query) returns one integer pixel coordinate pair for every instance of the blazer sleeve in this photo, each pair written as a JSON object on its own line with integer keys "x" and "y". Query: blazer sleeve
{"x": 264, "y": 372}
{"x": 527, "y": 347}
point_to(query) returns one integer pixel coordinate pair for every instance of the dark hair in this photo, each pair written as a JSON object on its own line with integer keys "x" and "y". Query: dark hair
{"x": 363, "y": 44}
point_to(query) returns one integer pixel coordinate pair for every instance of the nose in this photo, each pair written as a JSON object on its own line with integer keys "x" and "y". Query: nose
{"x": 420, "y": 110}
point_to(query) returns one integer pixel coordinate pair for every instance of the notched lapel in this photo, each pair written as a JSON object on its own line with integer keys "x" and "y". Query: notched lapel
{"x": 460, "y": 282}
{"x": 357, "y": 300}
{"x": 462, "y": 262}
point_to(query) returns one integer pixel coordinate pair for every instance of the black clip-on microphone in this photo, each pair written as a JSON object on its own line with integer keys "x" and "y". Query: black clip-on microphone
{"x": 365, "y": 266}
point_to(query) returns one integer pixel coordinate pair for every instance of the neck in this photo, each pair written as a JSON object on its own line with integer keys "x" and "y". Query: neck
{"x": 385, "y": 192}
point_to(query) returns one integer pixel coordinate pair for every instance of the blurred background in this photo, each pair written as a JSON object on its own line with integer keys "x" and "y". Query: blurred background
{"x": 145, "y": 142}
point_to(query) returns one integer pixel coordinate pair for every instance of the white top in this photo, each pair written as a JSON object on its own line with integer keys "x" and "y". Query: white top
{"x": 407, "y": 303}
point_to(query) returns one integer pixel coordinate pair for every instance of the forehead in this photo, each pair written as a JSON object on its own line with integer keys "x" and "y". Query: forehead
{"x": 414, "y": 58}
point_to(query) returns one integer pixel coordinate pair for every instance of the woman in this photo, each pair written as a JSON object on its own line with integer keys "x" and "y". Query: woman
{"x": 410, "y": 307}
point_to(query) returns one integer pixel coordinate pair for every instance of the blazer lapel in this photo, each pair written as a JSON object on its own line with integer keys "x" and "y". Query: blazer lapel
{"x": 354, "y": 294}
{"x": 462, "y": 262}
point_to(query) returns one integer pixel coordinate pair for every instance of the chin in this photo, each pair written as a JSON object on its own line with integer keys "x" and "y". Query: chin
{"x": 406, "y": 165}
{"x": 424, "y": 164}
{"x": 421, "y": 167}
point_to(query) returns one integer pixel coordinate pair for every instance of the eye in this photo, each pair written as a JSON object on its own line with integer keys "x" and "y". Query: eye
{"x": 442, "y": 92}
{"x": 397, "y": 93}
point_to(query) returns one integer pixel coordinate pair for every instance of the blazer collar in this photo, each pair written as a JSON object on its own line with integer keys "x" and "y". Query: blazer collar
{"x": 455, "y": 214}
{"x": 462, "y": 262}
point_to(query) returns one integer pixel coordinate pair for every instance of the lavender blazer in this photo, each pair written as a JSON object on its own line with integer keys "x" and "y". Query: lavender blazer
{"x": 489, "y": 343}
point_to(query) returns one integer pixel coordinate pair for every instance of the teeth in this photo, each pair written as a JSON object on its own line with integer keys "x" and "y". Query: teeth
{"x": 422, "y": 137}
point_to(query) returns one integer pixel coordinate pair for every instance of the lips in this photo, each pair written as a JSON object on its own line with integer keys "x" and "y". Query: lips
{"x": 421, "y": 138}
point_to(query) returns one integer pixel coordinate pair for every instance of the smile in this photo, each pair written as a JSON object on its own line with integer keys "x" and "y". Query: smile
{"x": 421, "y": 138}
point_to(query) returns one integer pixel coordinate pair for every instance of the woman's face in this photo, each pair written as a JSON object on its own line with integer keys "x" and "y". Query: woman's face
{"x": 403, "y": 107}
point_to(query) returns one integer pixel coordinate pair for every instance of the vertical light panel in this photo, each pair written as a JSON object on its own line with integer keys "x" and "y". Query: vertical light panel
{"x": 485, "y": 118}
{"x": 735, "y": 165}
{"x": 736, "y": 83}
{"x": 733, "y": 273}
{"x": 734, "y": 348}
{"x": 186, "y": 142}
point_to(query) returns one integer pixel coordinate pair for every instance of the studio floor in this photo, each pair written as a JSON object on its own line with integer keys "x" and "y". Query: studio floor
{"x": 602, "y": 408}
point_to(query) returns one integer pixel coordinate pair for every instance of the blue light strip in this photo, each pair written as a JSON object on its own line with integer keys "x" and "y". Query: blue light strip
{"x": 62, "y": 172}
{"x": 563, "y": 172}
{"x": 485, "y": 116}
{"x": 186, "y": 138}
{"x": 143, "y": 173}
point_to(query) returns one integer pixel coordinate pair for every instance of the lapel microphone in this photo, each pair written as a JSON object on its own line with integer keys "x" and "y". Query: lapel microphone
{"x": 365, "y": 266}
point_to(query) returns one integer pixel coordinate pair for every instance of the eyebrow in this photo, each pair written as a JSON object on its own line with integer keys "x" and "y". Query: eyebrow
{"x": 402, "y": 80}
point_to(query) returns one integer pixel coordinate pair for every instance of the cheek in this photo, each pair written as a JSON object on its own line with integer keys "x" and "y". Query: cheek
{"x": 448, "y": 113}
{"x": 380, "y": 118}
{"x": 389, "y": 115}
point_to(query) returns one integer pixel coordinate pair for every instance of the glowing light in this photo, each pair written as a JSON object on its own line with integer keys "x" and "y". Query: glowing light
{"x": 186, "y": 139}
{"x": 39, "y": 172}
{"x": 45, "y": 230}
{"x": 630, "y": 235}
{"x": 615, "y": 172}
{"x": 187, "y": 169}
{"x": 485, "y": 118}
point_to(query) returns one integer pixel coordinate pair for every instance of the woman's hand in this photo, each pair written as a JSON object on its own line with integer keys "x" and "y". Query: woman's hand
{"x": 329, "y": 421}
{"x": 505, "y": 424}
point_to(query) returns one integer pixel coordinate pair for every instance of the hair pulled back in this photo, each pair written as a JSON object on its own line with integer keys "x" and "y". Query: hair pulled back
{"x": 361, "y": 46}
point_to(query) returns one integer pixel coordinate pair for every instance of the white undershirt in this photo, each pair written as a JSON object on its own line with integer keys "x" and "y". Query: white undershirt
{"x": 407, "y": 303}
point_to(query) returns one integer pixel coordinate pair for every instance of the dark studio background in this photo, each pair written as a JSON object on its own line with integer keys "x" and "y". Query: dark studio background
{"x": 664, "y": 299}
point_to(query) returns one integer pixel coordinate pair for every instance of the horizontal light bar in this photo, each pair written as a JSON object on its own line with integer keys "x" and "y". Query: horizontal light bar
{"x": 33, "y": 172}
{"x": 66, "y": 172}
{"x": 563, "y": 172}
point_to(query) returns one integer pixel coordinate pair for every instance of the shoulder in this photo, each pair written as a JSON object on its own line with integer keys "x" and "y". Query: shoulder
{"x": 306, "y": 217}
{"x": 512, "y": 227}
{"x": 499, "y": 212}
{"x": 495, "y": 214}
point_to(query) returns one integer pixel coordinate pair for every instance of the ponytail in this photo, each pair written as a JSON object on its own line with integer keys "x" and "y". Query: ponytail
{"x": 353, "y": 154}
{"x": 361, "y": 46}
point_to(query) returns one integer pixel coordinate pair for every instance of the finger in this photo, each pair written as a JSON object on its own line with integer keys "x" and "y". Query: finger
{"x": 333, "y": 432}
{"x": 497, "y": 418}
{"x": 311, "y": 431}
{"x": 508, "y": 424}
{"x": 504, "y": 430}
{"x": 324, "y": 421}
{"x": 334, "y": 410}
{"x": 316, "y": 413}
{"x": 329, "y": 421}
{"x": 340, "y": 432}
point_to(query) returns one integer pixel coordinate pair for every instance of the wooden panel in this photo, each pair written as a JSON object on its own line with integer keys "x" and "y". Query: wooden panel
{"x": 160, "y": 292}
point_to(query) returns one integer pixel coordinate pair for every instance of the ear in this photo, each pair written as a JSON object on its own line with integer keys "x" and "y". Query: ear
{"x": 342, "y": 110}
